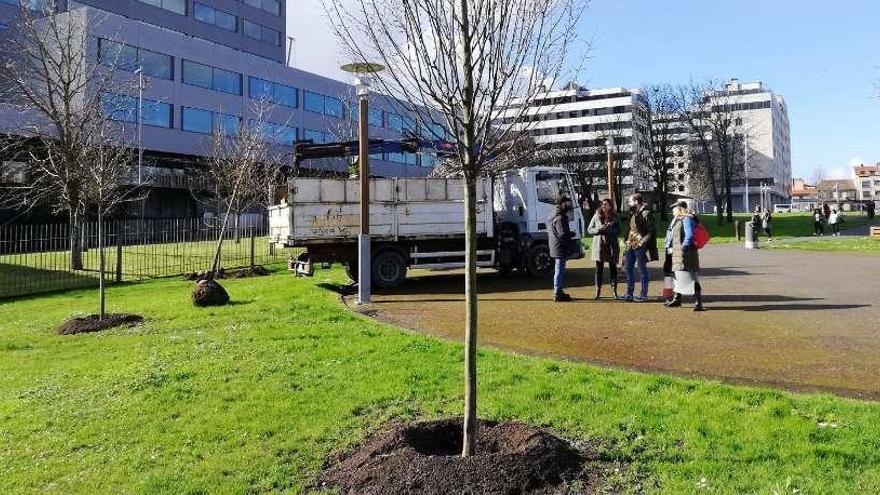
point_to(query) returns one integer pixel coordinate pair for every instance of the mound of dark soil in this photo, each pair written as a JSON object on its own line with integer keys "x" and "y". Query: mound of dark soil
{"x": 209, "y": 293}
{"x": 91, "y": 323}
{"x": 256, "y": 271}
{"x": 511, "y": 458}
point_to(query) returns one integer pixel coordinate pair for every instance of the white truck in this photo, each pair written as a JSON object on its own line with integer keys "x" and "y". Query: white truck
{"x": 419, "y": 222}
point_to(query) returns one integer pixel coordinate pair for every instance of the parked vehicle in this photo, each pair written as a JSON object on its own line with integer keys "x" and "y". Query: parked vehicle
{"x": 419, "y": 222}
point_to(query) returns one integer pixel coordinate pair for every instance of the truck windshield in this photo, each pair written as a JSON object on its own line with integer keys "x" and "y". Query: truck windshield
{"x": 552, "y": 185}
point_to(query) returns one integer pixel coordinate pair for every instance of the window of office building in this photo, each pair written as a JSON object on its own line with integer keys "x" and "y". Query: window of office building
{"x": 124, "y": 108}
{"x": 38, "y": 5}
{"x": 209, "y": 77}
{"x": 271, "y": 6}
{"x": 176, "y": 6}
{"x": 260, "y": 32}
{"x": 318, "y": 103}
{"x": 274, "y": 133}
{"x": 393, "y": 121}
{"x": 317, "y": 137}
{"x": 261, "y": 89}
{"x": 214, "y": 17}
{"x": 131, "y": 58}
{"x": 206, "y": 121}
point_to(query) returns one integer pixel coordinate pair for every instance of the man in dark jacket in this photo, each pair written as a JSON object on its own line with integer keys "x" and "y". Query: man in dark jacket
{"x": 560, "y": 238}
{"x": 641, "y": 246}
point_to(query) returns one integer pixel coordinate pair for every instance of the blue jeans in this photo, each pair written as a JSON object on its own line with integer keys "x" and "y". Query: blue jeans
{"x": 634, "y": 256}
{"x": 558, "y": 271}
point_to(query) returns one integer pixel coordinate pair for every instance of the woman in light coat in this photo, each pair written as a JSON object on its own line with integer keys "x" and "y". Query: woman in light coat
{"x": 605, "y": 229}
{"x": 685, "y": 257}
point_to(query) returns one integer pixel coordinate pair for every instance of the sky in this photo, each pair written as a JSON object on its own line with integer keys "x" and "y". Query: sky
{"x": 822, "y": 57}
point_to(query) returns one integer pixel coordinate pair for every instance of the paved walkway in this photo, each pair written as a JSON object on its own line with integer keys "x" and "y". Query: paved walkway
{"x": 800, "y": 320}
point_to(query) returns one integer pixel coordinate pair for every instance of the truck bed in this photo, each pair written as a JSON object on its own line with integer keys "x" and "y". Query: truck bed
{"x": 320, "y": 211}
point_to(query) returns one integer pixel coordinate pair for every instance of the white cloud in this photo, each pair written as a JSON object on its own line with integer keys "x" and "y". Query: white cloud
{"x": 315, "y": 48}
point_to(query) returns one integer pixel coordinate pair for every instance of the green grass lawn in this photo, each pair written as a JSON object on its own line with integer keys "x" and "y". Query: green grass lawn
{"x": 831, "y": 244}
{"x": 252, "y": 397}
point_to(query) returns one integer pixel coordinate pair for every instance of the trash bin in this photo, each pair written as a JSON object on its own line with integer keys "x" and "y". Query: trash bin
{"x": 751, "y": 236}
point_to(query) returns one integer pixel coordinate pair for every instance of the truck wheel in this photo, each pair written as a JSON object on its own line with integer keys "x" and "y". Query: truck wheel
{"x": 538, "y": 261}
{"x": 389, "y": 269}
{"x": 351, "y": 269}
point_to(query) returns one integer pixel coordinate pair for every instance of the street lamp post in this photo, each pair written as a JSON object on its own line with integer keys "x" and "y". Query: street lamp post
{"x": 364, "y": 73}
{"x": 746, "y": 167}
{"x": 609, "y": 142}
{"x": 140, "y": 129}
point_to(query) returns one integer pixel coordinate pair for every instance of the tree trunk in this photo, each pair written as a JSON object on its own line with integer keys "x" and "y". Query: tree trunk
{"x": 470, "y": 290}
{"x": 238, "y": 227}
{"x": 75, "y": 234}
{"x": 101, "y": 264}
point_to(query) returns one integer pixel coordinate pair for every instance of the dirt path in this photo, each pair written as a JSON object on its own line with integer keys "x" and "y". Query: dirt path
{"x": 800, "y": 320}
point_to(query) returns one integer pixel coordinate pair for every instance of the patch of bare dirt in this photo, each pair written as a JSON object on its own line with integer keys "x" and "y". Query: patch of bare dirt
{"x": 425, "y": 458}
{"x": 92, "y": 323}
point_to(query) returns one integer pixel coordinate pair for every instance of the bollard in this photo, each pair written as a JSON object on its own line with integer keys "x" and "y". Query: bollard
{"x": 736, "y": 230}
{"x": 751, "y": 238}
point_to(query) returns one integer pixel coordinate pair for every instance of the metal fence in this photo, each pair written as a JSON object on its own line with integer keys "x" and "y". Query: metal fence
{"x": 37, "y": 258}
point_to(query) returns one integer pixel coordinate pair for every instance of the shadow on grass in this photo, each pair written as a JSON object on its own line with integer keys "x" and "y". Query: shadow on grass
{"x": 341, "y": 289}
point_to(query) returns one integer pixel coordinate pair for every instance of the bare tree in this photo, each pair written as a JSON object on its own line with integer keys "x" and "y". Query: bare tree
{"x": 242, "y": 170}
{"x": 665, "y": 135}
{"x": 718, "y": 138}
{"x": 52, "y": 93}
{"x": 462, "y": 62}
{"x": 819, "y": 175}
{"x": 243, "y": 167}
{"x": 109, "y": 173}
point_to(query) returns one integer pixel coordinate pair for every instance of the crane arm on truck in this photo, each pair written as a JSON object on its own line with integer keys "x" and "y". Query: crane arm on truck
{"x": 308, "y": 150}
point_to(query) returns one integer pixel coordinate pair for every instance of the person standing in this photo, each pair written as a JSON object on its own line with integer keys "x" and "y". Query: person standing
{"x": 685, "y": 257}
{"x": 756, "y": 222}
{"x": 834, "y": 223}
{"x": 560, "y": 238}
{"x": 818, "y": 229}
{"x": 641, "y": 244}
{"x": 605, "y": 229}
{"x": 766, "y": 220}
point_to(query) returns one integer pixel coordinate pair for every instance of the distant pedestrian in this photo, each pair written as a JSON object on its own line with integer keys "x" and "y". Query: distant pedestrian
{"x": 560, "y": 238}
{"x": 871, "y": 210}
{"x": 641, "y": 247}
{"x": 685, "y": 258}
{"x": 605, "y": 229}
{"x": 818, "y": 227}
{"x": 766, "y": 220}
{"x": 756, "y": 222}
{"x": 826, "y": 211}
{"x": 834, "y": 223}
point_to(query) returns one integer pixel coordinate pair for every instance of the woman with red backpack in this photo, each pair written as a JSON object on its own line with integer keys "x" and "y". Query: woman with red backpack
{"x": 684, "y": 237}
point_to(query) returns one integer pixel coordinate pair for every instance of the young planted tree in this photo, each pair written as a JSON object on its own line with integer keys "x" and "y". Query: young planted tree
{"x": 459, "y": 63}
{"x": 243, "y": 168}
{"x": 51, "y": 91}
{"x": 107, "y": 183}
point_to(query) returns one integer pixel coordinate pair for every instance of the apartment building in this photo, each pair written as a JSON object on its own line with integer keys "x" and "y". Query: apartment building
{"x": 206, "y": 63}
{"x": 576, "y": 126}
{"x": 866, "y": 179}
{"x": 762, "y": 119}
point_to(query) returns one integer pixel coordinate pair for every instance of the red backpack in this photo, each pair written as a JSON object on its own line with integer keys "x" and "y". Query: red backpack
{"x": 701, "y": 236}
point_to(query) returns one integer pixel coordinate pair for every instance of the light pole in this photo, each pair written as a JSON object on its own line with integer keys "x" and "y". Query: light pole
{"x": 746, "y": 167}
{"x": 609, "y": 142}
{"x": 140, "y": 127}
{"x": 364, "y": 73}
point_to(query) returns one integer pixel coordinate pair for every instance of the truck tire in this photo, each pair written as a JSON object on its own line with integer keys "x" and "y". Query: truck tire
{"x": 538, "y": 261}
{"x": 389, "y": 269}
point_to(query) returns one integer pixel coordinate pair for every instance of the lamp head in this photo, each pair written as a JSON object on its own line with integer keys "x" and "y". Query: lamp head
{"x": 363, "y": 73}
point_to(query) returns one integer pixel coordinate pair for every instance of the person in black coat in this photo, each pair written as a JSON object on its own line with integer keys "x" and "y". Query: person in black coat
{"x": 560, "y": 239}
